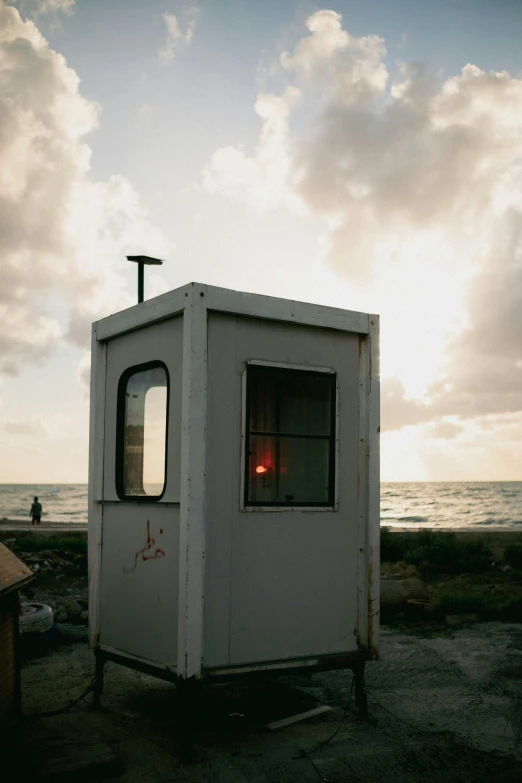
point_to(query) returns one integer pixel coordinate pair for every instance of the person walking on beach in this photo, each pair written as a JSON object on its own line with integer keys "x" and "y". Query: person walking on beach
{"x": 36, "y": 512}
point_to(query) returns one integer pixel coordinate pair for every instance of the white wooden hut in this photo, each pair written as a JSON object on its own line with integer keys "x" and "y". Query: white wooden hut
{"x": 234, "y": 486}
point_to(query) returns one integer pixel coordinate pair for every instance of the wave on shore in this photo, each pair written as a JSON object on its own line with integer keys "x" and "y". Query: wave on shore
{"x": 413, "y": 504}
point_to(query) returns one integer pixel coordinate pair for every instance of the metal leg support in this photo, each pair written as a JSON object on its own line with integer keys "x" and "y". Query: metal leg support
{"x": 361, "y": 699}
{"x": 188, "y": 692}
{"x": 98, "y": 679}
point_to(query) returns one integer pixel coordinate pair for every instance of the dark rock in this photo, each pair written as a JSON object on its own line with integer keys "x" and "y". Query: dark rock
{"x": 72, "y": 607}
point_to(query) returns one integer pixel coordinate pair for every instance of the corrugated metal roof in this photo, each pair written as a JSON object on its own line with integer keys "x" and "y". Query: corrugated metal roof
{"x": 13, "y": 572}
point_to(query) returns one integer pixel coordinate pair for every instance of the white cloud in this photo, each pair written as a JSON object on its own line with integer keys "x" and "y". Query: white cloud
{"x": 397, "y": 409}
{"x": 56, "y": 5}
{"x": 179, "y": 33}
{"x": 419, "y": 185}
{"x": 83, "y": 372}
{"x": 34, "y": 427}
{"x": 63, "y": 234}
{"x": 446, "y": 428}
{"x": 41, "y": 7}
{"x": 144, "y": 113}
{"x": 332, "y": 59}
{"x": 261, "y": 180}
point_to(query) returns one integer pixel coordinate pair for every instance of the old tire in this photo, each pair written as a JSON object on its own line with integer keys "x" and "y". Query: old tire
{"x": 72, "y": 633}
{"x": 35, "y": 618}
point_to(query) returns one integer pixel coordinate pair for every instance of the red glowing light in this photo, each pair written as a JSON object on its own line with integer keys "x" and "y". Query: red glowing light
{"x": 260, "y": 469}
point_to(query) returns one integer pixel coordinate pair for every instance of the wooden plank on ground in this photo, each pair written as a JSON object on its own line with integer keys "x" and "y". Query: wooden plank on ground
{"x": 278, "y": 724}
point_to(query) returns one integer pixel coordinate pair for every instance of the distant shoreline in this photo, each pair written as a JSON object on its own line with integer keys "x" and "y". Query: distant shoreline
{"x": 478, "y": 530}
{"x": 20, "y": 524}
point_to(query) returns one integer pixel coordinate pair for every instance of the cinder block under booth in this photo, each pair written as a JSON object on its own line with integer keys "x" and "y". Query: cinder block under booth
{"x": 234, "y": 486}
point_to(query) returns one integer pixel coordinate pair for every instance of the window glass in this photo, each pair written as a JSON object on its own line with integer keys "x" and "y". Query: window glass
{"x": 289, "y": 470}
{"x": 154, "y": 440}
{"x": 290, "y": 437}
{"x": 143, "y": 432}
{"x": 291, "y": 401}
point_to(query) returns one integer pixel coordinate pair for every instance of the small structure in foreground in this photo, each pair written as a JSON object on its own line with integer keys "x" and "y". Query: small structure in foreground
{"x": 234, "y": 487}
{"x": 13, "y": 576}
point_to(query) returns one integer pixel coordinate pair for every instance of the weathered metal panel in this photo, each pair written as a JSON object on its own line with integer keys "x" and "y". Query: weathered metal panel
{"x": 96, "y": 460}
{"x": 276, "y": 309}
{"x": 291, "y": 575}
{"x": 139, "y": 554}
{"x": 374, "y": 505}
{"x": 151, "y": 311}
{"x": 235, "y": 302}
{"x": 224, "y": 400}
{"x": 368, "y": 560}
{"x": 290, "y": 665}
{"x": 163, "y": 342}
{"x": 139, "y": 581}
{"x": 193, "y": 484}
{"x": 363, "y": 543}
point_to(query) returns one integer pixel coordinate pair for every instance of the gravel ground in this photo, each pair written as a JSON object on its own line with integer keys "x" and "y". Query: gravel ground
{"x": 446, "y": 707}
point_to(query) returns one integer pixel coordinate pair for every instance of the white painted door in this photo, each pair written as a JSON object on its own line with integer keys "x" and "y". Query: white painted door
{"x": 140, "y": 523}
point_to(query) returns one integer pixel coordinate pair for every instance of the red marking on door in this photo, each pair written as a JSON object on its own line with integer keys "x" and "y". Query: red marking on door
{"x": 146, "y": 553}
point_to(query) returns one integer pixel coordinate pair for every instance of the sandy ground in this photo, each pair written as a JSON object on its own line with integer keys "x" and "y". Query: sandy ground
{"x": 446, "y": 707}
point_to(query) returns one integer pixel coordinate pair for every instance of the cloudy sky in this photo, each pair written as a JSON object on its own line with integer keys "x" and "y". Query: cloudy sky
{"x": 363, "y": 154}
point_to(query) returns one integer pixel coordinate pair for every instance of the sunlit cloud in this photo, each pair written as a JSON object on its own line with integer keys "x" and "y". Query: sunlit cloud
{"x": 418, "y": 183}
{"x": 263, "y": 180}
{"x": 83, "y": 373}
{"x": 180, "y": 31}
{"x": 34, "y": 427}
{"x": 64, "y": 234}
{"x": 41, "y": 7}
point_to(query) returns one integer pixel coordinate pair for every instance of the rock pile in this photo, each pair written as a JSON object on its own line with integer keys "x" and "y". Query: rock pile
{"x": 46, "y": 560}
{"x": 68, "y": 597}
{"x": 71, "y": 610}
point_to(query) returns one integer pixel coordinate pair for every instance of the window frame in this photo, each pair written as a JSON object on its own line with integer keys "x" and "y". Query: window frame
{"x": 120, "y": 431}
{"x": 333, "y": 501}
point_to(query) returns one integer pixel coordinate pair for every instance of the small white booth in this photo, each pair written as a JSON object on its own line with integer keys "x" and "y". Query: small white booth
{"x": 234, "y": 486}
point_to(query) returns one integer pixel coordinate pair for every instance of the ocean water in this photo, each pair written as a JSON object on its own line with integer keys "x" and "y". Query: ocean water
{"x": 60, "y": 502}
{"x": 452, "y": 504}
{"x": 412, "y": 504}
